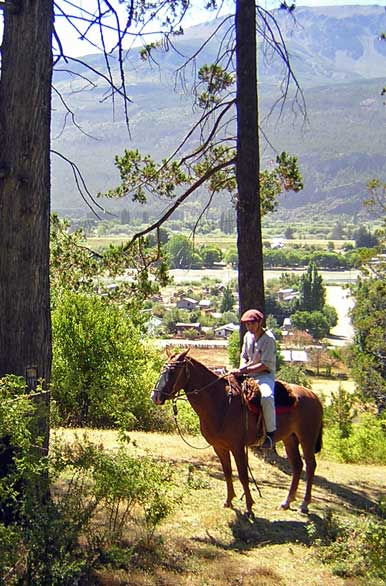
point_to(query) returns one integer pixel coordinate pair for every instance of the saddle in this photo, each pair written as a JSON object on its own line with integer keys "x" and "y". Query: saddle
{"x": 249, "y": 390}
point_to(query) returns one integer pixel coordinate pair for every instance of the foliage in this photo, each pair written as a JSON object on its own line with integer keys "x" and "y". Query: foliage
{"x": 227, "y": 300}
{"x": 339, "y": 414}
{"x": 174, "y": 316}
{"x": 352, "y": 436}
{"x": 210, "y": 254}
{"x": 180, "y": 251}
{"x": 231, "y": 256}
{"x": 98, "y": 499}
{"x": 314, "y": 322}
{"x": 283, "y": 177}
{"x": 103, "y": 369}
{"x": 311, "y": 289}
{"x": 368, "y": 361}
{"x": 292, "y": 373}
{"x": 352, "y": 548}
{"x": 364, "y": 238}
{"x": 301, "y": 257}
{"x": 75, "y": 267}
{"x": 234, "y": 349}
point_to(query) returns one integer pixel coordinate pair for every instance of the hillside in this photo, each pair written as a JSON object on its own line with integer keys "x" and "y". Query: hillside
{"x": 339, "y": 62}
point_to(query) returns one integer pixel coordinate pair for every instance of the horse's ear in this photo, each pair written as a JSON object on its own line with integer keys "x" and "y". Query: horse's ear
{"x": 184, "y": 353}
{"x": 168, "y": 350}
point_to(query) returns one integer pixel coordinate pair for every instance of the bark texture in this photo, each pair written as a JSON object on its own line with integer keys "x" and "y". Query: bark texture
{"x": 249, "y": 240}
{"x": 25, "y": 106}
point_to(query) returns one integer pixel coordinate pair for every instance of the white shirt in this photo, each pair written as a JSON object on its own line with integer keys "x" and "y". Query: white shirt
{"x": 261, "y": 350}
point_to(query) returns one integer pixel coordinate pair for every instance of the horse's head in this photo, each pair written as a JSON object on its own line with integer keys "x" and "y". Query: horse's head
{"x": 172, "y": 379}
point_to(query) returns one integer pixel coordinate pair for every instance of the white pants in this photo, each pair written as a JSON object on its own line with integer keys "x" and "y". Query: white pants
{"x": 267, "y": 389}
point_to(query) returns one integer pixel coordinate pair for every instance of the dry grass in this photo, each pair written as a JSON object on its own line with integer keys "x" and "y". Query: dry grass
{"x": 203, "y": 544}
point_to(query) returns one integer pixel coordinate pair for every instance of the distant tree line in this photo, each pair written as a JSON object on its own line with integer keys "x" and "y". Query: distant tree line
{"x": 183, "y": 253}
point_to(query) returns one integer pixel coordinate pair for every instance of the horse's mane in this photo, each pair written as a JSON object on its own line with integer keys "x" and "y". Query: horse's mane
{"x": 184, "y": 356}
{"x": 201, "y": 365}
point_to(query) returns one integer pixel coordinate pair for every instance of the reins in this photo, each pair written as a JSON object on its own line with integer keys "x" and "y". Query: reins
{"x": 187, "y": 393}
{"x": 175, "y": 411}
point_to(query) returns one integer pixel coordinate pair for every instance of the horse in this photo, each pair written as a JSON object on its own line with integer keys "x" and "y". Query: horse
{"x": 229, "y": 427}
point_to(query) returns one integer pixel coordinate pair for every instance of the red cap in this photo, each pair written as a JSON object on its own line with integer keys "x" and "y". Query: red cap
{"x": 252, "y": 315}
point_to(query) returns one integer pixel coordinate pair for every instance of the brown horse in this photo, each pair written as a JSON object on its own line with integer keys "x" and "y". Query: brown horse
{"x": 229, "y": 428}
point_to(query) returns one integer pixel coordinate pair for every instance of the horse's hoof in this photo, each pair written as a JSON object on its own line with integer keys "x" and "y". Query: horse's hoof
{"x": 249, "y": 515}
{"x": 227, "y": 505}
{"x": 304, "y": 509}
{"x": 285, "y": 506}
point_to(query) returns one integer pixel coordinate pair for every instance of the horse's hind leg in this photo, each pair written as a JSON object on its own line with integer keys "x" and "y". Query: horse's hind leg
{"x": 291, "y": 444}
{"x": 225, "y": 460}
{"x": 309, "y": 457}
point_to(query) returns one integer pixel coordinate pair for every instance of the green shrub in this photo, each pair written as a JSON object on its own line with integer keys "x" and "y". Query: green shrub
{"x": 352, "y": 548}
{"x": 294, "y": 374}
{"x": 234, "y": 349}
{"x": 366, "y": 443}
{"x": 103, "y": 369}
{"x": 339, "y": 414}
{"x": 99, "y": 500}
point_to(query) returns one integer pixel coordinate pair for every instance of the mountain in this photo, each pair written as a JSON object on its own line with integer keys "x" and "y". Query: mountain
{"x": 339, "y": 61}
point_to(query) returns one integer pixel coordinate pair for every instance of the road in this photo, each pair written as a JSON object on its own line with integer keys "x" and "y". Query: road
{"x": 340, "y": 298}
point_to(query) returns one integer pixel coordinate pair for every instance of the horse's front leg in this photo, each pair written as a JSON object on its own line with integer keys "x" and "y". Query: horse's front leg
{"x": 241, "y": 458}
{"x": 291, "y": 445}
{"x": 225, "y": 460}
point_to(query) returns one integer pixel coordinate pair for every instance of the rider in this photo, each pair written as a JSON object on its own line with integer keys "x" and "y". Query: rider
{"x": 258, "y": 360}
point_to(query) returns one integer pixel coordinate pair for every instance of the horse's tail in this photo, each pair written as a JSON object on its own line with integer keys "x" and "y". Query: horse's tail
{"x": 319, "y": 439}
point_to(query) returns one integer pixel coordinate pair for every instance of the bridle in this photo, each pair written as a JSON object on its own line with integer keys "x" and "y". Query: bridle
{"x": 170, "y": 366}
{"x": 167, "y": 369}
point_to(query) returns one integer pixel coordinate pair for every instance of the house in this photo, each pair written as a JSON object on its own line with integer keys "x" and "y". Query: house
{"x": 204, "y": 304}
{"x": 226, "y": 330}
{"x": 294, "y": 356}
{"x": 287, "y": 294}
{"x": 277, "y": 242}
{"x": 216, "y": 315}
{"x": 182, "y": 327}
{"x": 287, "y": 324}
{"x": 187, "y": 303}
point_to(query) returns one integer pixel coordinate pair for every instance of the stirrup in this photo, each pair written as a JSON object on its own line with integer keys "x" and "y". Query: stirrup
{"x": 267, "y": 444}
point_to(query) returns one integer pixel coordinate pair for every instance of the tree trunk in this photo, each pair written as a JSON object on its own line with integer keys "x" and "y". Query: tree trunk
{"x": 249, "y": 241}
{"x": 25, "y": 109}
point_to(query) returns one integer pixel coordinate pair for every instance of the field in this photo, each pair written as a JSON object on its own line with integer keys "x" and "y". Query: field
{"x": 203, "y": 544}
{"x": 223, "y": 242}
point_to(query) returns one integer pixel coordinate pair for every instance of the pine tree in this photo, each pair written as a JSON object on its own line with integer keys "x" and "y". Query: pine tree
{"x": 312, "y": 290}
{"x": 227, "y": 301}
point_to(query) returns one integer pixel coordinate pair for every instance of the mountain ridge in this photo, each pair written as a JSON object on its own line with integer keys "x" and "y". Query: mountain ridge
{"x": 340, "y": 63}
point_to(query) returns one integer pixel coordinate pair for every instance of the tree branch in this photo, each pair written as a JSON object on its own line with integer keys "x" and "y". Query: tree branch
{"x": 179, "y": 201}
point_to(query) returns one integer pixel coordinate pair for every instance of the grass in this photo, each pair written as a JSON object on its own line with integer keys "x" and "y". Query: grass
{"x": 222, "y": 241}
{"x": 203, "y": 544}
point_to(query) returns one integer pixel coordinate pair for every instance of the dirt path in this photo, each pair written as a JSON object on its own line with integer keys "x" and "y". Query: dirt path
{"x": 340, "y": 298}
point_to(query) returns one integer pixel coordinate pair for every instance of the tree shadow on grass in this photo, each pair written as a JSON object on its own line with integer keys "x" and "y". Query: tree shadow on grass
{"x": 363, "y": 498}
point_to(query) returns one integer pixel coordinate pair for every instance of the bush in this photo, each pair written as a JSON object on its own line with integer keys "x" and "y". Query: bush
{"x": 352, "y": 548}
{"x": 294, "y": 374}
{"x": 234, "y": 349}
{"x": 362, "y": 441}
{"x": 101, "y": 499}
{"x": 103, "y": 370}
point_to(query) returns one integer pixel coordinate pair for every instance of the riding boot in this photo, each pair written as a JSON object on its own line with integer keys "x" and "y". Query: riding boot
{"x": 268, "y": 443}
